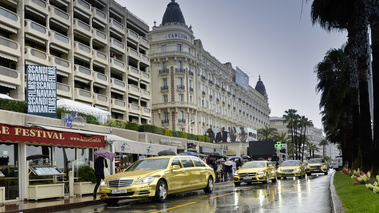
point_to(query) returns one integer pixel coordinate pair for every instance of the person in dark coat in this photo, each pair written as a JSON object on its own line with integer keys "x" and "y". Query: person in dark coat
{"x": 100, "y": 162}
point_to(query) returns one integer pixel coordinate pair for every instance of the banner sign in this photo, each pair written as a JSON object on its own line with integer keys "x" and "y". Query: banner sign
{"x": 34, "y": 135}
{"x": 41, "y": 90}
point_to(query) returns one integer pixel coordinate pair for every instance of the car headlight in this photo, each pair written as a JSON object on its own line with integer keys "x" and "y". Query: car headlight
{"x": 279, "y": 170}
{"x": 297, "y": 169}
{"x": 146, "y": 180}
{"x": 103, "y": 183}
{"x": 261, "y": 172}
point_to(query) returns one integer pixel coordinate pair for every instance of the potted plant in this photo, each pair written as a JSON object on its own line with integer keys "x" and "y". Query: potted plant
{"x": 86, "y": 181}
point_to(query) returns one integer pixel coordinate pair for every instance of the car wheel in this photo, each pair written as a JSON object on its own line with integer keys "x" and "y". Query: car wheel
{"x": 161, "y": 191}
{"x": 111, "y": 201}
{"x": 210, "y": 186}
{"x": 266, "y": 181}
{"x": 237, "y": 183}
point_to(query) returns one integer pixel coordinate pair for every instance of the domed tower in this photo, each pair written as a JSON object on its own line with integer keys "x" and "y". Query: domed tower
{"x": 173, "y": 14}
{"x": 260, "y": 87}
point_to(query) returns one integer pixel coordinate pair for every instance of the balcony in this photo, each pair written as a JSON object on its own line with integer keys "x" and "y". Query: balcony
{"x": 132, "y": 71}
{"x": 133, "y": 89}
{"x": 134, "y": 108}
{"x": 180, "y": 71}
{"x": 146, "y": 111}
{"x": 145, "y": 94}
{"x": 180, "y": 87}
{"x": 133, "y": 53}
{"x": 82, "y": 27}
{"x": 83, "y": 6}
{"x": 64, "y": 90}
{"x": 145, "y": 76}
{"x": 39, "y": 5}
{"x": 61, "y": 64}
{"x": 118, "y": 104}
{"x": 133, "y": 35}
{"x": 117, "y": 84}
{"x": 9, "y": 47}
{"x": 117, "y": 26}
{"x": 101, "y": 100}
{"x": 165, "y": 121}
{"x": 144, "y": 59}
{"x": 61, "y": 40}
{"x": 59, "y": 15}
{"x": 164, "y": 88}
{"x": 83, "y": 95}
{"x": 144, "y": 42}
{"x": 117, "y": 65}
{"x": 10, "y": 76}
{"x": 82, "y": 72}
{"x": 100, "y": 78}
{"x": 164, "y": 71}
{"x": 99, "y": 57}
{"x": 36, "y": 56}
{"x": 117, "y": 45}
{"x": 181, "y": 121}
{"x": 99, "y": 36}
{"x": 82, "y": 49}
{"x": 99, "y": 15}
{"x": 36, "y": 30}
{"x": 10, "y": 20}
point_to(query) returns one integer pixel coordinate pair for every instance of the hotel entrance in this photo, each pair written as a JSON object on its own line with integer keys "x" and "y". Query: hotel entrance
{"x": 9, "y": 177}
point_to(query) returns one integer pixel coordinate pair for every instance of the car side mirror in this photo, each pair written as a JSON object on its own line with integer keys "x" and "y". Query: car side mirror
{"x": 175, "y": 167}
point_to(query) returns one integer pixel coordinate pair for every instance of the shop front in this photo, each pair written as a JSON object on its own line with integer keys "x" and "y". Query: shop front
{"x": 28, "y": 154}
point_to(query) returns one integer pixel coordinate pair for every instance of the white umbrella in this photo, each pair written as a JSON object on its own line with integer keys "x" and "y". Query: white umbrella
{"x": 228, "y": 163}
{"x": 4, "y": 96}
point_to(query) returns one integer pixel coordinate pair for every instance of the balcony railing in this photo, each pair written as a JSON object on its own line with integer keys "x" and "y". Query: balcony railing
{"x": 164, "y": 71}
{"x": 164, "y": 88}
{"x": 180, "y": 87}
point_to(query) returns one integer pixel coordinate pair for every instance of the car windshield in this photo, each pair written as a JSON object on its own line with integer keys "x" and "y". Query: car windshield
{"x": 315, "y": 160}
{"x": 149, "y": 164}
{"x": 290, "y": 163}
{"x": 254, "y": 164}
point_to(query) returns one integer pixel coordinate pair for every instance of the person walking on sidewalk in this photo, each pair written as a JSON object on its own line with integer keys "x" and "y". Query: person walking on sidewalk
{"x": 100, "y": 162}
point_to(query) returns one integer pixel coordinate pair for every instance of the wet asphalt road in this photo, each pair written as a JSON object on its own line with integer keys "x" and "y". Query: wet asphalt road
{"x": 291, "y": 195}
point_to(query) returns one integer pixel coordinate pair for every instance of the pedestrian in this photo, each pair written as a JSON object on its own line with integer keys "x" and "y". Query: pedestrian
{"x": 219, "y": 171}
{"x": 234, "y": 167}
{"x": 100, "y": 163}
{"x": 228, "y": 170}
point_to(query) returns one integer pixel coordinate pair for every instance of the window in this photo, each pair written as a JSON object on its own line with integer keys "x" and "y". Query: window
{"x": 165, "y": 98}
{"x": 165, "y": 116}
{"x": 179, "y": 47}
{"x": 181, "y": 115}
{"x": 164, "y": 81}
{"x": 163, "y": 48}
{"x": 176, "y": 161}
{"x": 180, "y": 81}
{"x": 164, "y": 65}
{"x": 179, "y": 65}
{"x": 186, "y": 161}
{"x": 181, "y": 97}
{"x": 198, "y": 162}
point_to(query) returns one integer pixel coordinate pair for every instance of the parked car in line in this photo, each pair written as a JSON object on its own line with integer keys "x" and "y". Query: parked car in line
{"x": 157, "y": 177}
{"x": 317, "y": 165}
{"x": 291, "y": 168}
{"x": 255, "y": 171}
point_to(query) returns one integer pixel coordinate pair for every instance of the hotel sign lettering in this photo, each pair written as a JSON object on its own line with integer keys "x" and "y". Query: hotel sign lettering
{"x": 34, "y": 135}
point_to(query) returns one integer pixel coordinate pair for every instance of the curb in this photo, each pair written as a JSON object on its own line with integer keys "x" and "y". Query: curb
{"x": 336, "y": 201}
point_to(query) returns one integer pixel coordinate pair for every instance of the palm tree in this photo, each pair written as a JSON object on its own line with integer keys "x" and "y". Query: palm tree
{"x": 333, "y": 84}
{"x": 305, "y": 123}
{"x": 323, "y": 143}
{"x": 267, "y": 133}
{"x": 290, "y": 118}
{"x": 351, "y": 15}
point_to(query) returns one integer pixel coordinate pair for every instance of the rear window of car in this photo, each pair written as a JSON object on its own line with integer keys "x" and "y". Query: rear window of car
{"x": 198, "y": 162}
{"x": 186, "y": 161}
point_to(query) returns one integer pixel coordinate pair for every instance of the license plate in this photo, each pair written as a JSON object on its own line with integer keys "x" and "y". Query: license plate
{"x": 119, "y": 191}
{"x": 288, "y": 173}
{"x": 247, "y": 178}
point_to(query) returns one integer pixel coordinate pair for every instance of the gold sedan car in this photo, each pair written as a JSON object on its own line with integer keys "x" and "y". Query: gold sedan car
{"x": 255, "y": 171}
{"x": 317, "y": 165}
{"x": 158, "y": 177}
{"x": 291, "y": 168}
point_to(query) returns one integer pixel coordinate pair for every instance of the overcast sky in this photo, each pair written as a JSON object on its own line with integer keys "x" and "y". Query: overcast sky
{"x": 271, "y": 38}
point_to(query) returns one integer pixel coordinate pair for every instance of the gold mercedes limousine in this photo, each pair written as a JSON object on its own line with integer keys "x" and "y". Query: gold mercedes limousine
{"x": 157, "y": 177}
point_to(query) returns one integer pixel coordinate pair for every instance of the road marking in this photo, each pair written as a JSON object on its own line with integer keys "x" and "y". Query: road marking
{"x": 187, "y": 204}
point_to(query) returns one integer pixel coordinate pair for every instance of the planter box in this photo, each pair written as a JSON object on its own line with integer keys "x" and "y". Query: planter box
{"x": 81, "y": 188}
{"x": 45, "y": 191}
{"x": 2, "y": 194}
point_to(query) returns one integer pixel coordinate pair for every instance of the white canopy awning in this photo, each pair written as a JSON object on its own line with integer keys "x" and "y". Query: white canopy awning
{"x": 101, "y": 115}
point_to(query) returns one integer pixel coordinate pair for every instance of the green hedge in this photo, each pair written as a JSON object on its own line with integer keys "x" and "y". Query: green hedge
{"x": 13, "y": 105}
{"x": 86, "y": 174}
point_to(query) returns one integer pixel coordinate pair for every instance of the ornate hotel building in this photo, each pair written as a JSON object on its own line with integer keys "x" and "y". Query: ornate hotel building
{"x": 98, "y": 47}
{"x": 191, "y": 89}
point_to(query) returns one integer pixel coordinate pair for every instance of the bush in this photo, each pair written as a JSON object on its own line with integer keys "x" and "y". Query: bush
{"x": 86, "y": 174}
{"x": 13, "y": 105}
